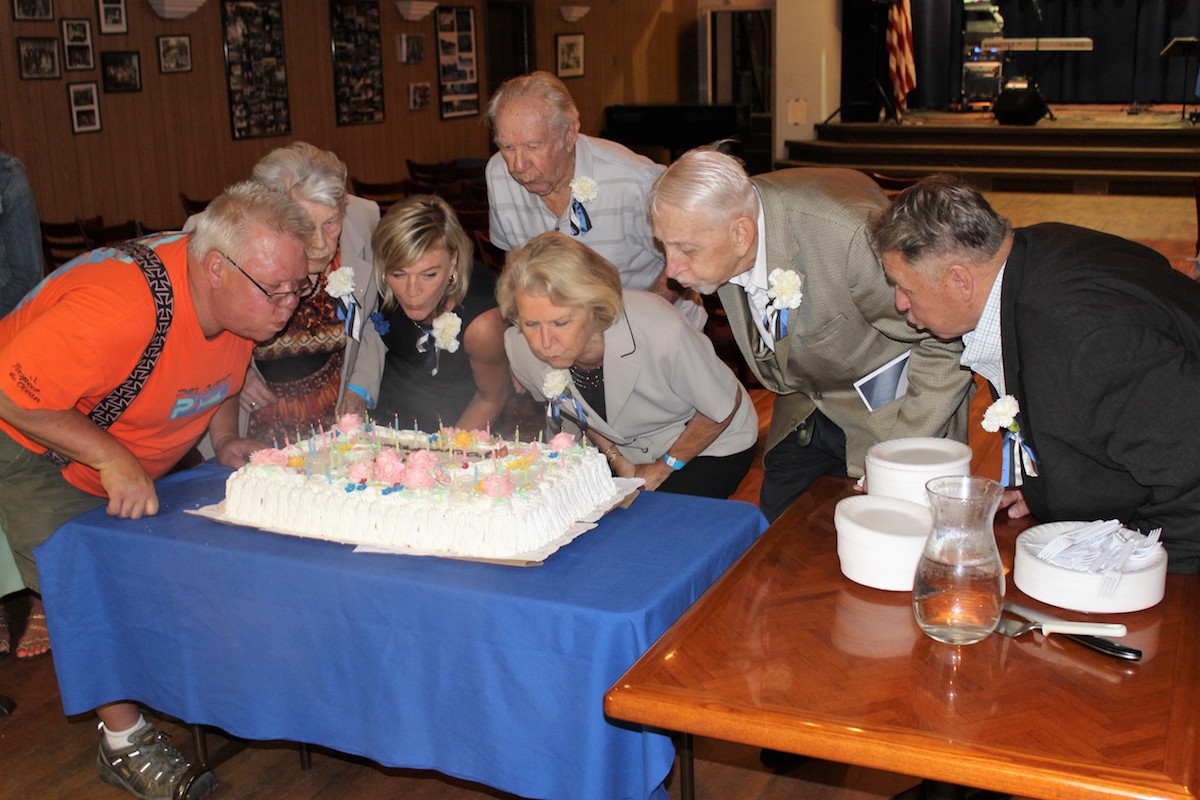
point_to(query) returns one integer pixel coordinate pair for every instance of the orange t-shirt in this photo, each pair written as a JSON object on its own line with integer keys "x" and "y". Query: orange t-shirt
{"x": 78, "y": 335}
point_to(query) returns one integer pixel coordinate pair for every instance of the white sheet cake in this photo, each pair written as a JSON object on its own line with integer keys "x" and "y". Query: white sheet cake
{"x": 457, "y": 493}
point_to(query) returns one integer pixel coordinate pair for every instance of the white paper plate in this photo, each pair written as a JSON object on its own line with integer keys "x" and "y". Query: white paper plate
{"x": 901, "y": 467}
{"x": 880, "y": 539}
{"x": 1080, "y": 591}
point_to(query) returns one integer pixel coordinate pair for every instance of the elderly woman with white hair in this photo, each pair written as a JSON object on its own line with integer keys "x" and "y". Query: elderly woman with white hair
{"x": 299, "y": 377}
{"x": 625, "y": 368}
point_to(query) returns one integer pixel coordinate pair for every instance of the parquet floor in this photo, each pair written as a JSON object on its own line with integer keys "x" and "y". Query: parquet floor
{"x": 46, "y": 756}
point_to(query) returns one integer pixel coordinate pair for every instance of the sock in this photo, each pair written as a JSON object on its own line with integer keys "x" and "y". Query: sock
{"x": 117, "y": 740}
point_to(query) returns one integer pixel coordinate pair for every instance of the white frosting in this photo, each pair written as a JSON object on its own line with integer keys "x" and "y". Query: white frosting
{"x": 314, "y": 497}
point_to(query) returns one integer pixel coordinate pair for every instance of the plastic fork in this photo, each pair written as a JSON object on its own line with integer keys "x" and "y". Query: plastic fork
{"x": 1115, "y": 570}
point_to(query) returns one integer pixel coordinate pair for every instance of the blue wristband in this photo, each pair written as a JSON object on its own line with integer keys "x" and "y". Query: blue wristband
{"x": 673, "y": 463}
{"x": 361, "y": 392}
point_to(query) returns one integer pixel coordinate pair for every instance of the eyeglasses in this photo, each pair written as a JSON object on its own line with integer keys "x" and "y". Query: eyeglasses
{"x": 306, "y": 289}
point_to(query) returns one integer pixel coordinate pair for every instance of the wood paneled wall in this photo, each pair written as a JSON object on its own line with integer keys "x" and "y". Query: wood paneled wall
{"x": 174, "y": 135}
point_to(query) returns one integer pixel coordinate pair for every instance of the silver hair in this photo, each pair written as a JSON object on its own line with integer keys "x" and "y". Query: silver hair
{"x": 240, "y": 213}
{"x": 543, "y": 87}
{"x": 939, "y": 216}
{"x": 705, "y": 178}
{"x": 307, "y": 172}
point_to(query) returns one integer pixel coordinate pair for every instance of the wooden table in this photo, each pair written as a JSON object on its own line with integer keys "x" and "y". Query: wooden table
{"x": 785, "y": 653}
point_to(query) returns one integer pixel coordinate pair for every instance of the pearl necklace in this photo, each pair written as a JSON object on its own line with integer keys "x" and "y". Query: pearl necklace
{"x": 587, "y": 378}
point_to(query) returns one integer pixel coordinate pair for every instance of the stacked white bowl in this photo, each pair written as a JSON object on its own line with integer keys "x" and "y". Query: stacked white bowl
{"x": 880, "y": 535}
{"x": 901, "y": 467}
{"x": 880, "y": 539}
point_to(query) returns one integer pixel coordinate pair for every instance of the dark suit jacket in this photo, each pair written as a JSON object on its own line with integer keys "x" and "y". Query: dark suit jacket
{"x": 1101, "y": 342}
{"x": 847, "y": 324}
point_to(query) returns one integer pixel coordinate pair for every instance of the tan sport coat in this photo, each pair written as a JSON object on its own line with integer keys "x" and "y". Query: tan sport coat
{"x": 847, "y": 324}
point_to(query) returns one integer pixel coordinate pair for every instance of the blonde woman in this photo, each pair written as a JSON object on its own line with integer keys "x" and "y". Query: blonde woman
{"x": 625, "y": 368}
{"x": 443, "y": 361}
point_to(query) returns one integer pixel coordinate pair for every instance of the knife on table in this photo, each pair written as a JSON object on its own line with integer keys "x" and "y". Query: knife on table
{"x": 1097, "y": 643}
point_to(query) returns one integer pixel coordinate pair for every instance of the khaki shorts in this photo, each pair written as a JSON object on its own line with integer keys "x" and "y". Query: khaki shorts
{"x": 35, "y": 500}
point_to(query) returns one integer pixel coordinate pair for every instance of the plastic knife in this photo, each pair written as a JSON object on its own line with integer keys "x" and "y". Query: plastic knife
{"x": 1101, "y": 645}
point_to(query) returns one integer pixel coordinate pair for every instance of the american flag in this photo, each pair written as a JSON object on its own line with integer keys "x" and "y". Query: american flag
{"x": 902, "y": 69}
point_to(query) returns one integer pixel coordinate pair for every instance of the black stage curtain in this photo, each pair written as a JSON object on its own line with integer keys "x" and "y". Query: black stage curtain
{"x": 1123, "y": 68}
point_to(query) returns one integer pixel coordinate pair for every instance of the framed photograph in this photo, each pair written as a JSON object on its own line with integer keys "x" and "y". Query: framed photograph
{"x": 121, "y": 70}
{"x": 33, "y": 10}
{"x": 568, "y": 61}
{"x": 357, "y": 61}
{"x": 419, "y": 95}
{"x": 255, "y": 69}
{"x": 37, "y": 57}
{"x": 174, "y": 54}
{"x": 411, "y": 47}
{"x": 84, "y": 102}
{"x": 111, "y": 14}
{"x": 458, "y": 71}
{"x": 77, "y": 44}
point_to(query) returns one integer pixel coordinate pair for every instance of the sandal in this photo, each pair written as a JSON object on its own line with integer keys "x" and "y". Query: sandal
{"x": 35, "y": 641}
{"x": 4, "y": 638}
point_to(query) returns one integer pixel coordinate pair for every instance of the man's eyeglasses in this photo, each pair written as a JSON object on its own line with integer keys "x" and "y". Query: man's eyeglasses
{"x": 306, "y": 289}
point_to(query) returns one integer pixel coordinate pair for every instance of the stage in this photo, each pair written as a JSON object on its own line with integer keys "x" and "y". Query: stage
{"x": 1083, "y": 149}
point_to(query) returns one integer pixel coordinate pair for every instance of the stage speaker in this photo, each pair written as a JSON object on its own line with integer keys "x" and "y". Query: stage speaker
{"x": 1019, "y": 107}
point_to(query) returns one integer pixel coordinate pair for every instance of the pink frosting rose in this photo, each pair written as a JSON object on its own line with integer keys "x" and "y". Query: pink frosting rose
{"x": 562, "y": 441}
{"x": 269, "y": 458}
{"x": 389, "y": 467}
{"x": 360, "y": 471}
{"x": 423, "y": 459}
{"x": 349, "y": 423}
{"x": 417, "y": 478}
{"x": 497, "y": 486}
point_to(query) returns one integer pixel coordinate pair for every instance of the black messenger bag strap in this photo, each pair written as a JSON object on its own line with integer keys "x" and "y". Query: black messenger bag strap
{"x": 107, "y": 410}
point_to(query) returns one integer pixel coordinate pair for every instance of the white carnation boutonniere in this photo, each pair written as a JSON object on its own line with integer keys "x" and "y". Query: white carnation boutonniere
{"x": 1018, "y": 459}
{"x": 583, "y": 192}
{"x": 556, "y": 386}
{"x": 555, "y": 383}
{"x": 785, "y": 288}
{"x": 584, "y": 189}
{"x": 340, "y": 284}
{"x": 446, "y": 328}
{"x": 1002, "y": 414}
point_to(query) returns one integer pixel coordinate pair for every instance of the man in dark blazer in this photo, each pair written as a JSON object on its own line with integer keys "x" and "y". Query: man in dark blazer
{"x": 788, "y": 254}
{"x": 1095, "y": 337}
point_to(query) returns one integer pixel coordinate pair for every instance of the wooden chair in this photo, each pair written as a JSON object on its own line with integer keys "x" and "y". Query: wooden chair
{"x": 488, "y": 253}
{"x": 99, "y": 234}
{"x": 62, "y": 241}
{"x": 385, "y": 194}
{"x": 892, "y": 185}
{"x": 445, "y": 171}
{"x": 191, "y": 205}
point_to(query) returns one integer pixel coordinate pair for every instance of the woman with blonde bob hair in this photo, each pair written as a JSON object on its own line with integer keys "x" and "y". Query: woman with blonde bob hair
{"x": 440, "y": 355}
{"x": 626, "y": 369}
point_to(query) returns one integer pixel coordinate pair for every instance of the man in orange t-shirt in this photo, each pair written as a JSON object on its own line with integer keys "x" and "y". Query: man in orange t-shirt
{"x": 80, "y": 334}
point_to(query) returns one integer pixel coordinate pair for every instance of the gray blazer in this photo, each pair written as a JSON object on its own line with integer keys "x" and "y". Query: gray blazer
{"x": 362, "y": 216}
{"x": 658, "y": 372}
{"x": 847, "y": 324}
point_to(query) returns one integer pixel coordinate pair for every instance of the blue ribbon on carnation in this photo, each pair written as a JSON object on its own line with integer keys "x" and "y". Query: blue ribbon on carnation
{"x": 346, "y": 312}
{"x": 581, "y": 223}
{"x": 1018, "y": 461}
{"x": 553, "y": 412}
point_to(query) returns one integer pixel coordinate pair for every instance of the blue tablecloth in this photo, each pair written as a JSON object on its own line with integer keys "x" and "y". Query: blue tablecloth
{"x": 491, "y": 673}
